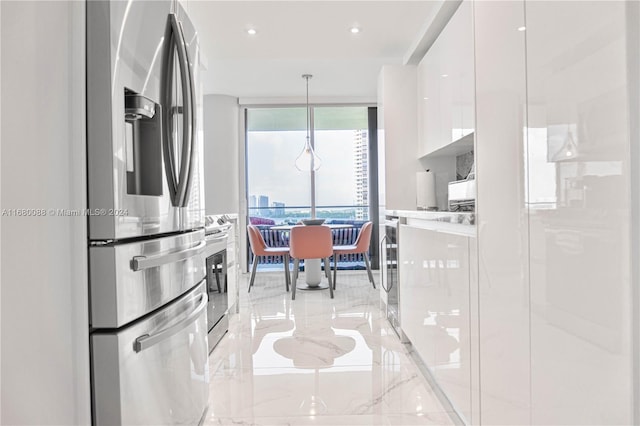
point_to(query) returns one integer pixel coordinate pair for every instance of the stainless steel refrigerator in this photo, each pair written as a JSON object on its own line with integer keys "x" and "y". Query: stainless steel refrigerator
{"x": 146, "y": 215}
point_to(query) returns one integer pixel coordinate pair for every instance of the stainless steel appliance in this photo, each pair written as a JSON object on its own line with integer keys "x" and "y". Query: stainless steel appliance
{"x": 390, "y": 271}
{"x": 146, "y": 224}
{"x": 462, "y": 193}
{"x": 217, "y": 235}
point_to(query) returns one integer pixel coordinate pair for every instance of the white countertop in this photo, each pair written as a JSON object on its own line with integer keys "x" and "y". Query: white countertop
{"x": 459, "y": 223}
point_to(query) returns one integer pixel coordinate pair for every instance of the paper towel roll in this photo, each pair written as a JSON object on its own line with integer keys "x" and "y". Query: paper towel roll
{"x": 426, "y": 190}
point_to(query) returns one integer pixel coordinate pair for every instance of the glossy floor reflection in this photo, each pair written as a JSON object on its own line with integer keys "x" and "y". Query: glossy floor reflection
{"x": 315, "y": 360}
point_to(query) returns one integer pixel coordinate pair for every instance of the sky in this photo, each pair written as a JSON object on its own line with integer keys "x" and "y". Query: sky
{"x": 271, "y": 167}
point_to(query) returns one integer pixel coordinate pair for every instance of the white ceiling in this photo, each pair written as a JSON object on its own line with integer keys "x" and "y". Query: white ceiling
{"x": 299, "y": 37}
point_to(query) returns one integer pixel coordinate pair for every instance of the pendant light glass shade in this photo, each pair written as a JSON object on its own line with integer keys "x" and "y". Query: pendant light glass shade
{"x": 569, "y": 149}
{"x": 308, "y": 160}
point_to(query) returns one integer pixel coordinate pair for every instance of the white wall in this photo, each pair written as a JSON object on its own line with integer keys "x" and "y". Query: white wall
{"x": 221, "y": 154}
{"x": 44, "y": 311}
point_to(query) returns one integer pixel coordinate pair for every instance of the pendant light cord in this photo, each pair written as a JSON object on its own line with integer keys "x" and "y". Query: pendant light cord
{"x": 307, "y": 77}
{"x": 307, "y": 107}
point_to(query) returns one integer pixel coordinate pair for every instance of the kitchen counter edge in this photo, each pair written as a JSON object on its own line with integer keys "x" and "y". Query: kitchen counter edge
{"x": 459, "y": 223}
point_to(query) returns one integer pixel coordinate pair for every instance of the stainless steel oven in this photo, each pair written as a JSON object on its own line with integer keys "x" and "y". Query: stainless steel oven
{"x": 217, "y": 266}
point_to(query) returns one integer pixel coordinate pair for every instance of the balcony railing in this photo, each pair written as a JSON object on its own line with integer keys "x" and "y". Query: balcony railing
{"x": 265, "y": 218}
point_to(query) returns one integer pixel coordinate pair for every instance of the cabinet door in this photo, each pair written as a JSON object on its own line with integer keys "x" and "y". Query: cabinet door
{"x": 418, "y": 292}
{"x": 580, "y": 174}
{"x": 502, "y": 213}
{"x": 466, "y": 69}
{"x": 434, "y": 296}
{"x": 451, "y": 311}
{"x": 429, "y": 101}
{"x": 446, "y": 84}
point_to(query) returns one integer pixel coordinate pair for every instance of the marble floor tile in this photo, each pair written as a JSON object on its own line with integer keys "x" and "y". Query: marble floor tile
{"x": 316, "y": 360}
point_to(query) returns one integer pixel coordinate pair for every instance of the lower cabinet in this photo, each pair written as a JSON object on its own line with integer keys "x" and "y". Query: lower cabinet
{"x": 434, "y": 308}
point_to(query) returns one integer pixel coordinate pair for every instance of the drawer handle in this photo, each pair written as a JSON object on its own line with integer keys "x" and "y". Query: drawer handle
{"x": 147, "y": 340}
{"x": 139, "y": 263}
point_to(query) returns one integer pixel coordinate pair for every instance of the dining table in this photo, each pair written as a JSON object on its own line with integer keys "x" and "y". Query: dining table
{"x": 312, "y": 267}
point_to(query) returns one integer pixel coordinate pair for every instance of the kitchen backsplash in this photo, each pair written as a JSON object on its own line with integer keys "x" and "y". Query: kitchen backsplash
{"x": 464, "y": 162}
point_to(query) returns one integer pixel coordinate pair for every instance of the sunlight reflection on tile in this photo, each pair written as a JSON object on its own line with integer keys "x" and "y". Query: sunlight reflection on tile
{"x": 316, "y": 361}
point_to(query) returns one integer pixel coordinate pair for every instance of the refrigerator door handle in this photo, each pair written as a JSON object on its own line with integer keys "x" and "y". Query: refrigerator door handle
{"x": 188, "y": 116}
{"x": 147, "y": 340}
{"x": 177, "y": 185}
{"x": 192, "y": 106}
{"x": 138, "y": 263}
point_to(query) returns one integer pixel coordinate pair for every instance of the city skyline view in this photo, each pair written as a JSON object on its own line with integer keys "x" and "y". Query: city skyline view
{"x": 339, "y": 181}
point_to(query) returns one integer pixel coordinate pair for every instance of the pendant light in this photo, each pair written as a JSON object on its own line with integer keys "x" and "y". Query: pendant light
{"x": 308, "y": 160}
{"x": 568, "y": 150}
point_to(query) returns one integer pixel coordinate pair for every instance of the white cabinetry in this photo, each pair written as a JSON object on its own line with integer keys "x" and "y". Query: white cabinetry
{"x": 533, "y": 323}
{"x": 221, "y": 153}
{"x": 554, "y": 180}
{"x": 502, "y": 212}
{"x": 446, "y": 85}
{"x": 580, "y": 223}
{"x": 434, "y": 307}
{"x": 397, "y": 136}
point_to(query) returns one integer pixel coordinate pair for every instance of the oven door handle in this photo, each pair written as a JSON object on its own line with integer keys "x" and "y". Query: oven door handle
{"x": 216, "y": 237}
{"x": 138, "y": 263}
{"x": 147, "y": 340}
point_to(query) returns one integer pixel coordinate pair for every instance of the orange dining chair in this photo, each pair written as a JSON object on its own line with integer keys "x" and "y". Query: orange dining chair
{"x": 260, "y": 248}
{"x": 310, "y": 242}
{"x": 361, "y": 245}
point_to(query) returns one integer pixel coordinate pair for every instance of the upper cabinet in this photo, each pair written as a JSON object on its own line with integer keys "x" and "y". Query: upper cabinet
{"x": 446, "y": 85}
{"x": 397, "y": 137}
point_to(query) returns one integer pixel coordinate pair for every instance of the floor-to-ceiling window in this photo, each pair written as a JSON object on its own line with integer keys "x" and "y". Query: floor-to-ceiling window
{"x": 279, "y": 193}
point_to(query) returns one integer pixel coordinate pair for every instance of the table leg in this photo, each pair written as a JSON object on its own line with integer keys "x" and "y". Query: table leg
{"x": 312, "y": 276}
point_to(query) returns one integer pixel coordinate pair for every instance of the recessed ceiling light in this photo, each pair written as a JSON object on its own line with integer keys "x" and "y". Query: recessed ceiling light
{"x": 355, "y": 30}
{"x": 426, "y": 99}
{"x": 251, "y": 31}
{"x": 522, "y": 28}
{"x": 444, "y": 75}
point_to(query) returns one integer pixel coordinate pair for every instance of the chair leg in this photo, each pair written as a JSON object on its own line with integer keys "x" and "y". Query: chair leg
{"x": 296, "y": 265}
{"x": 254, "y": 266}
{"x": 366, "y": 262}
{"x": 287, "y": 277}
{"x": 326, "y": 265}
{"x": 336, "y": 258}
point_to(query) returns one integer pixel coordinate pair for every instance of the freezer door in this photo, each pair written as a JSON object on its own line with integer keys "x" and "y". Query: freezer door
{"x": 131, "y": 152}
{"x": 128, "y": 281}
{"x": 154, "y": 372}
